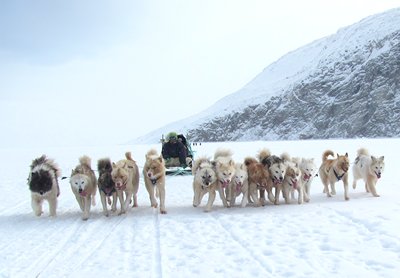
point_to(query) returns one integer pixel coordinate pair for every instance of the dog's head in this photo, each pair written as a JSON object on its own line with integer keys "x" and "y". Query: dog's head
{"x": 343, "y": 162}
{"x": 277, "y": 172}
{"x": 225, "y": 171}
{"x": 240, "y": 176}
{"x": 106, "y": 182}
{"x": 40, "y": 181}
{"x": 207, "y": 176}
{"x": 258, "y": 173}
{"x": 292, "y": 175}
{"x": 79, "y": 182}
{"x": 308, "y": 167}
{"x": 120, "y": 176}
{"x": 154, "y": 167}
{"x": 377, "y": 166}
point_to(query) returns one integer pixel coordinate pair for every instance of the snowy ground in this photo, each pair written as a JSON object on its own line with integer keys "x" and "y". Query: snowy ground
{"x": 327, "y": 237}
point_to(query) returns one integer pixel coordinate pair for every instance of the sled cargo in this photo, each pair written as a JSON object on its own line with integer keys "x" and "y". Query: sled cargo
{"x": 176, "y": 170}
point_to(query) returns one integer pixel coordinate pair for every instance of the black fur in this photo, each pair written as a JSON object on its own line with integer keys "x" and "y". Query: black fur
{"x": 273, "y": 159}
{"x": 105, "y": 181}
{"x": 41, "y": 181}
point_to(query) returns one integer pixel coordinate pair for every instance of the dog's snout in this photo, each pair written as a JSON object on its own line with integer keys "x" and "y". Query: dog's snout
{"x": 80, "y": 190}
{"x": 41, "y": 192}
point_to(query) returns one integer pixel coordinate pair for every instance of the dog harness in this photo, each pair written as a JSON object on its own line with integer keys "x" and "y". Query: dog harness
{"x": 337, "y": 176}
{"x": 153, "y": 182}
{"x": 108, "y": 194}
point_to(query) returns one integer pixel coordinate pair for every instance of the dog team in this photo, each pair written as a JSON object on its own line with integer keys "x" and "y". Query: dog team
{"x": 254, "y": 179}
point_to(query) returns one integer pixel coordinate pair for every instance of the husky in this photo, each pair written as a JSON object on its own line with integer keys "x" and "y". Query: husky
{"x": 258, "y": 175}
{"x": 106, "y": 185}
{"x": 334, "y": 170}
{"x": 292, "y": 182}
{"x": 239, "y": 184}
{"x": 83, "y": 184}
{"x": 204, "y": 181}
{"x": 277, "y": 170}
{"x": 225, "y": 171}
{"x": 308, "y": 170}
{"x": 154, "y": 178}
{"x": 125, "y": 174}
{"x": 43, "y": 184}
{"x": 369, "y": 168}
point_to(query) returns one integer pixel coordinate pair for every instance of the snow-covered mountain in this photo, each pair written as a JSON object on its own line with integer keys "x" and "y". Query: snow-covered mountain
{"x": 346, "y": 85}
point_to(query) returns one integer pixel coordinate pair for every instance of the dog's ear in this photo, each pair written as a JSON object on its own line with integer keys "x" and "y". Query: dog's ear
{"x": 346, "y": 155}
{"x": 373, "y": 158}
{"x": 114, "y": 165}
{"x": 231, "y": 162}
{"x": 312, "y": 160}
{"x": 382, "y": 158}
{"x": 160, "y": 158}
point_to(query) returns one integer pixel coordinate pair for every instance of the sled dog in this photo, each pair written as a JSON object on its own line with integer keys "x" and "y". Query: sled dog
{"x": 334, "y": 170}
{"x": 204, "y": 181}
{"x": 154, "y": 179}
{"x": 83, "y": 183}
{"x": 225, "y": 171}
{"x": 308, "y": 170}
{"x": 277, "y": 170}
{"x": 43, "y": 184}
{"x": 292, "y": 182}
{"x": 369, "y": 168}
{"x": 106, "y": 185}
{"x": 258, "y": 175}
{"x": 239, "y": 184}
{"x": 125, "y": 174}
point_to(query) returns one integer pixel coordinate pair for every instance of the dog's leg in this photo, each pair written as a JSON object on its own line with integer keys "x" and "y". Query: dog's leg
{"x": 127, "y": 200}
{"x": 300, "y": 190}
{"x": 333, "y": 190}
{"x": 161, "y": 191}
{"x": 196, "y": 197}
{"x": 372, "y": 187}
{"x": 306, "y": 196}
{"x": 121, "y": 201}
{"x": 94, "y": 197}
{"x": 80, "y": 201}
{"x": 354, "y": 184}
{"x": 202, "y": 193}
{"x": 222, "y": 195}
{"x": 346, "y": 188}
{"x": 37, "y": 206}
{"x": 286, "y": 193}
{"x": 278, "y": 189}
{"x": 211, "y": 198}
{"x": 150, "y": 189}
{"x": 114, "y": 203}
{"x": 366, "y": 187}
{"x": 52, "y": 206}
{"x": 270, "y": 195}
{"x": 104, "y": 203}
{"x": 87, "y": 201}
{"x": 245, "y": 192}
{"x": 135, "y": 202}
{"x": 254, "y": 195}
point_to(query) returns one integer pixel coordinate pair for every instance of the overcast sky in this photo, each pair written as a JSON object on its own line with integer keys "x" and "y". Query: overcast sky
{"x": 105, "y": 72}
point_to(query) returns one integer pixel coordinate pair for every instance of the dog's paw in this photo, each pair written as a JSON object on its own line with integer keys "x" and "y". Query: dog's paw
{"x": 85, "y": 218}
{"x": 163, "y": 212}
{"x": 347, "y": 198}
{"x": 122, "y": 212}
{"x": 135, "y": 205}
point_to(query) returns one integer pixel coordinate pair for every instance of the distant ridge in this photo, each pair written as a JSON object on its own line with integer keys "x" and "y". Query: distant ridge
{"x": 346, "y": 85}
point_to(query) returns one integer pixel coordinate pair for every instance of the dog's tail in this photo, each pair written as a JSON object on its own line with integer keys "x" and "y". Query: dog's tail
{"x": 152, "y": 152}
{"x": 326, "y": 154}
{"x": 104, "y": 165}
{"x": 362, "y": 151}
{"x": 198, "y": 162}
{"x": 128, "y": 156}
{"x": 249, "y": 160}
{"x": 263, "y": 153}
{"x": 222, "y": 153}
{"x": 85, "y": 161}
{"x": 285, "y": 156}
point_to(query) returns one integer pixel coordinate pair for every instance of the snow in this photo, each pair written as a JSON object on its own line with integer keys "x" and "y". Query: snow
{"x": 326, "y": 237}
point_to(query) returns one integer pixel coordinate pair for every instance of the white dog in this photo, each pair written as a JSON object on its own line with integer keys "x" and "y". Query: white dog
{"x": 308, "y": 170}
{"x": 368, "y": 168}
{"x": 204, "y": 182}
{"x": 225, "y": 171}
{"x": 84, "y": 185}
{"x": 239, "y": 184}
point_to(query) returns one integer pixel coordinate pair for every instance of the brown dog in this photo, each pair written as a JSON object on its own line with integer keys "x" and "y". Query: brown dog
{"x": 125, "y": 174}
{"x": 334, "y": 170}
{"x": 258, "y": 178}
{"x": 154, "y": 178}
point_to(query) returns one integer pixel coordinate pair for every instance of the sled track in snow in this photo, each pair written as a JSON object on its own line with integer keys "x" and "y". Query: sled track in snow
{"x": 157, "y": 271}
{"x": 238, "y": 241}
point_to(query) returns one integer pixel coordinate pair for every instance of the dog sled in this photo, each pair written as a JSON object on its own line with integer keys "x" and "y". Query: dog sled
{"x": 175, "y": 170}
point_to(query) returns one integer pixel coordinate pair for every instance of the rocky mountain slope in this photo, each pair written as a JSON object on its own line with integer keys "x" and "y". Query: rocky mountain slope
{"x": 346, "y": 85}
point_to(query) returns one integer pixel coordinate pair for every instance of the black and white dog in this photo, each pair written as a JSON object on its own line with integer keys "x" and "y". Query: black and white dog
{"x": 43, "y": 184}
